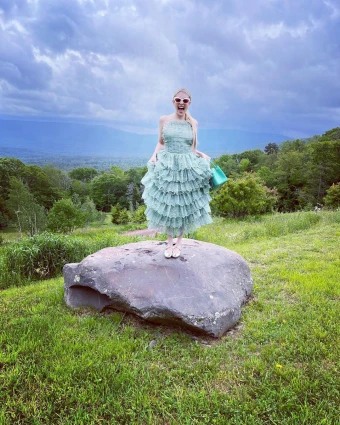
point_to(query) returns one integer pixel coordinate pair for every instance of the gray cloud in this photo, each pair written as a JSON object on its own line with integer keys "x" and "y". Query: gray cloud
{"x": 18, "y": 65}
{"x": 255, "y": 65}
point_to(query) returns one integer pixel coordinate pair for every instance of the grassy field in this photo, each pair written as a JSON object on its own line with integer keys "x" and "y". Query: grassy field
{"x": 280, "y": 365}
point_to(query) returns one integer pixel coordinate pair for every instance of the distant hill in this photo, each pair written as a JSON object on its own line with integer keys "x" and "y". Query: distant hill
{"x": 70, "y": 162}
{"x": 64, "y": 138}
{"x": 22, "y": 153}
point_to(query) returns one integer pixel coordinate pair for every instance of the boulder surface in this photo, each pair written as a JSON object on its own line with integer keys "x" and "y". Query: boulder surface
{"x": 203, "y": 290}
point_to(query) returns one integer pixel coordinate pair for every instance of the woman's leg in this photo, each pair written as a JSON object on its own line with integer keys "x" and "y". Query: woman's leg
{"x": 168, "y": 249}
{"x": 176, "y": 252}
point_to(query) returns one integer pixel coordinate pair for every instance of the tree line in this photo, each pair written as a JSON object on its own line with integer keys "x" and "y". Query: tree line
{"x": 34, "y": 198}
{"x": 295, "y": 175}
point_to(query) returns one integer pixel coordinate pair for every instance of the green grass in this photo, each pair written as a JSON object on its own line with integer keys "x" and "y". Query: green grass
{"x": 9, "y": 235}
{"x": 12, "y": 235}
{"x": 278, "y": 366}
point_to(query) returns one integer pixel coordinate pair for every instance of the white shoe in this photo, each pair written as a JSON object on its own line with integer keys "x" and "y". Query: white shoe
{"x": 168, "y": 252}
{"x": 176, "y": 254}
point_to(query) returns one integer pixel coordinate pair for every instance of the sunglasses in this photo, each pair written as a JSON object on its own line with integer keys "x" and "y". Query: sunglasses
{"x": 179, "y": 100}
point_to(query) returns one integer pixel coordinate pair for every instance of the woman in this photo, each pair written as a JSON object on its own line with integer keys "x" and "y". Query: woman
{"x": 176, "y": 190}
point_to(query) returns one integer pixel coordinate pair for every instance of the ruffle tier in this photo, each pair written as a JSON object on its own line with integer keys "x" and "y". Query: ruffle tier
{"x": 175, "y": 226}
{"x": 176, "y": 193}
{"x": 182, "y": 161}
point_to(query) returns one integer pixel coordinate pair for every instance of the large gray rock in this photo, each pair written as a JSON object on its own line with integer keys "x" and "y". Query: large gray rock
{"x": 203, "y": 290}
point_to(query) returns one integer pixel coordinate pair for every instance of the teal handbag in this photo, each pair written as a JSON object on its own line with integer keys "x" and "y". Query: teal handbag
{"x": 217, "y": 176}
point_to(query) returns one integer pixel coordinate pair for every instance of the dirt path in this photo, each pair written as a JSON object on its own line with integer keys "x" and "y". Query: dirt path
{"x": 143, "y": 232}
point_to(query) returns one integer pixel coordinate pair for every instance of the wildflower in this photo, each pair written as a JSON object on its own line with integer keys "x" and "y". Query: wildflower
{"x": 279, "y": 366}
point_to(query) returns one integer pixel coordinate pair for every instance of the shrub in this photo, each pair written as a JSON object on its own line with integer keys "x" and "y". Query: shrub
{"x": 64, "y": 217}
{"x": 119, "y": 215}
{"x": 43, "y": 256}
{"x": 139, "y": 215}
{"x": 115, "y": 213}
{"x": 332, "y": 198}
{"x": 40, "y": 257}
{"x": 244, "y": 196}
{"x": 124, "y": 216}
{"x": 91, "y": 213}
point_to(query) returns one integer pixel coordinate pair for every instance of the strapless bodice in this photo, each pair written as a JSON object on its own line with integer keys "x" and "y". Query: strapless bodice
{"x": 177, "y": 136}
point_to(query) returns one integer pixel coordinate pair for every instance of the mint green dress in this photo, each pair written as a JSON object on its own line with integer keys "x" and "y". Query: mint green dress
{"x": 176, "y": 190}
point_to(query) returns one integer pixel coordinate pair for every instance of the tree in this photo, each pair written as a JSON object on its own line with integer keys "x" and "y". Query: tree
{"x": 4, "y": 218}
{"x": 296, "y": 145}
{"x": 59, "y": 179}
{"x": 119, "y": 215}
{"x": 80, "y": 188}
{"x": 244, "y": 196}
{"x": 76, "y": 200}
{"x": 135, "y": 175}
{"x": 118, "y": 172}
{"x": 64, "y": 217}
{"x": 228, "y": 164}
{"x": 139, "y": 215}
{"x": 293, "y": 170}
{"x": 28, "y": 216}
{"x": 333, "y": 134}
{"x": 9, "y": 167}
{"x": 40, "y": 186}
{"x": 271, "y": 149}
{"x": 91, "y": 214}
{"x": 255, "y": 157}
{"x": 244, "y": 165}
{"x": 115, "y": 213}
{"x": 268, "y": 176}
{"x": 133, "y": 196}
{"x": 325, "y": 155}
{"x": 124, "y": 216}
{"x": 332, "y": 198}
{"x": 84, "y": 174}
{"x": 109, "y": 189}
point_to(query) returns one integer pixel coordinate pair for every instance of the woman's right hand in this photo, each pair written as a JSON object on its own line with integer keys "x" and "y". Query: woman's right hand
{"x": 153, "y": 159}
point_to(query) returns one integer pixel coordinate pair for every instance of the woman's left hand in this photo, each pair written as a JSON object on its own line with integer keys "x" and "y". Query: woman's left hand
{"x": 203, "y": 155}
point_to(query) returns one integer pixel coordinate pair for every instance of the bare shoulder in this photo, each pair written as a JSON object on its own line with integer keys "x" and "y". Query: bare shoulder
{"x": 163, "y": 118}
{"x": 195, "y": 122}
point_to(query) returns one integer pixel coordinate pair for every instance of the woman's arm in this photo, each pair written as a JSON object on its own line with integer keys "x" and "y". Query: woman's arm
{"x": 160, "y": 144}
{"x": 203, "y": 155}
{"x": 196, "y": 152}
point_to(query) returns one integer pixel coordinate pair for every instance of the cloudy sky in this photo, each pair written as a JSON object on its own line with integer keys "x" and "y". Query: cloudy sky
{"x": 257, "y": 65}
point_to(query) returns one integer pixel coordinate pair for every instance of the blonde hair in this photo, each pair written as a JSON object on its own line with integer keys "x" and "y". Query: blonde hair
{"x": 189, "y": 118}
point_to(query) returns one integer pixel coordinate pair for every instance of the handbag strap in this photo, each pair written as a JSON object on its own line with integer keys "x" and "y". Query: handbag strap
{"x": 213, "y": 164}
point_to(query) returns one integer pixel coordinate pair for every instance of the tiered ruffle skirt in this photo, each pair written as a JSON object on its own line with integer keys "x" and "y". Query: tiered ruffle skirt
{"x": 176, "y": 193}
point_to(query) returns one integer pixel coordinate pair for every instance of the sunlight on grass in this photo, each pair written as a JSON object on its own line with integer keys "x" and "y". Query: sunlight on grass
{"x": 224, "y": 232}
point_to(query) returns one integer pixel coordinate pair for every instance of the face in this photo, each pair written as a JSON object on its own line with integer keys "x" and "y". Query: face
{"x": 181, "y": 103}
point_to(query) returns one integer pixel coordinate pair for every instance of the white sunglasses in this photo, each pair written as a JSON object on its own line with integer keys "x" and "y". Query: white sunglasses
{"x": 179, "y": 100}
